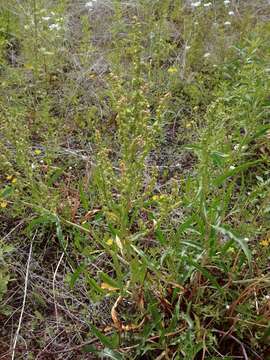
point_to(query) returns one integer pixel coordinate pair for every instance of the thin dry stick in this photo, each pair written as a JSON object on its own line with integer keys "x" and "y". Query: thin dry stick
{"x": 256, "y": 303}
{"x": 75, "y": 348}
{"x": 24, "y": 298}
{"x": 11, "y": 231}
{"x": 53, "y": 285}
{"x": 224, "y": 334}
{"x": 46, "y": 347}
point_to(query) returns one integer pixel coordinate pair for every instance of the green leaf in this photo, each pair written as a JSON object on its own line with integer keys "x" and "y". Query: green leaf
{"x": 206, "y": 274}
{"x": 262, "y": 131}
{"x": 41, "y": 220}
{"x": 240, "y": 241}
{"x": 8, "y": 190}
{"x": 218, "y": 158}
{"x": 74, "y": 277}
{"x": 94, "y": 285}
{"x": 189, "y": 321}
{"x": 106, "y": 341}
{"x": 111, "y": 354}
{"x": 54, "y": 176}
{"x": 90, "y": 349}
{"x": 186, "y": 225}
{"x": 266, "y": 334}
{"x": 160, "y": 236}
{"x": 192, "y": 244}
{"x": 108, "y": 280}
{"x": 138, "y": 271}
{"x": 220, "y": 179}
{"x": 83, "y": 197}
{"x": 145, "y": 259}
{"x": 59, "y": 231}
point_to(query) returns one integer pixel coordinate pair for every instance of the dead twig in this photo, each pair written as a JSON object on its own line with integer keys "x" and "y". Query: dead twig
{"x": 53, "y": 285}
{"x": 24, "y": 298}
{"x": 46, "y": 347}
{"x": 225, "y": 334}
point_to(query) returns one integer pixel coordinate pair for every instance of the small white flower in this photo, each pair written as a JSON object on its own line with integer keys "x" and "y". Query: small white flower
{"x": 54, "y": 27}
{"x": 232, "y": 167}
{"x": 226, "y": 2}
{"x": 27, "y": 27}
{"x": 227, "y": 307}
{"x": 246, "y": 239}
{"x": 89, "y": 5}
{"x": 187, "y": 47}
{"x": 206, "y": 55}
{"x": 207, "y": 4}
{"x": 196, "y": 4}
{"x": 46, "y": 18}
{"x": 236, "y": 147}
{"x": 231, "y": 13}
{"x": 267, "y": 297}
{"x": 227, "y": 23}
{"x": 33, "y": 166}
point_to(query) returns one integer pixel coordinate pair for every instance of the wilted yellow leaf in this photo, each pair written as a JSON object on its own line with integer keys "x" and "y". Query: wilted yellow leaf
{"x": 108, "y": 287}
{"x": 119, "y": 244}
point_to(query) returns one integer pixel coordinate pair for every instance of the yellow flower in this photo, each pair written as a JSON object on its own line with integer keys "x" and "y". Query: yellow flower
{"x": 9, "y": 177}
{"x": 3, "y": 204}
{"x": 155, "y": 197}
{"x": 188, "y": 125}
{"x": 37, "y": 152}
{"x": 172, "y": 70}
{"x": 14, "y": 181}
{"x": 265, "y": 242}
{"x": 109, "y": 242}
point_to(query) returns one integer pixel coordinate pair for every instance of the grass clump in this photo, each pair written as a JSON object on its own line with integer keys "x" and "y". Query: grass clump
{"x": 134, "y": 179}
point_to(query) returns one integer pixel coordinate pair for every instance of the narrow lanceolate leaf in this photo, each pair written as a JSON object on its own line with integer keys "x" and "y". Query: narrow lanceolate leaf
{"x": 242, "y": 242}
{"x": 108, "y": 287}
{"x": 6, "y": 192}
{"x": 103, "y": 339}
{"x": 76, "y": 274}
{"x": 220, "y": 179}
{"x": 206, "y": 274}
{"x": 111, "y": 354}
{"x": 119, "y": 244}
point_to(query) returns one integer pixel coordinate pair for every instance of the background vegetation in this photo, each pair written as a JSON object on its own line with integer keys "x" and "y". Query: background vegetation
{"x": 134, "y": 179}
